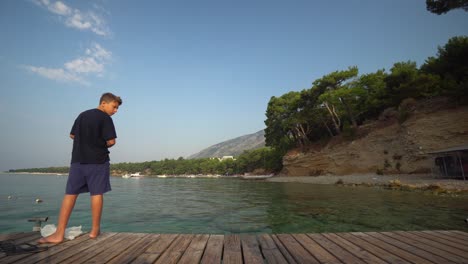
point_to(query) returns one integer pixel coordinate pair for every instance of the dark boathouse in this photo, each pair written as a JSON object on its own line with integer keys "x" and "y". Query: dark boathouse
{"x": 451, "y": 162}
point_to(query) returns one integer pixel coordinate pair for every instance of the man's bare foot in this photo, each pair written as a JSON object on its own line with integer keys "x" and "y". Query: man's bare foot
{"x": 93, "y": 234}
{"x": 52, "y": 239}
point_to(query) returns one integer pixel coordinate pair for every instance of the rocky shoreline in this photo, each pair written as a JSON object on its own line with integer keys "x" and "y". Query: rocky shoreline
{"x": 396, "y": 181}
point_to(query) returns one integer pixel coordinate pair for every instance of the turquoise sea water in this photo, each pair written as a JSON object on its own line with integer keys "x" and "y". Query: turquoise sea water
{"x": 191, "y": 205}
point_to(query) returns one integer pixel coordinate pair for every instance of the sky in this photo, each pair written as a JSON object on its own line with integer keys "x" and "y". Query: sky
{"x": 191, "y": 73}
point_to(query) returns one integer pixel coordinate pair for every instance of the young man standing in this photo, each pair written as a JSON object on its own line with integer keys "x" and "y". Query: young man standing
{"x": 93, "y": 133}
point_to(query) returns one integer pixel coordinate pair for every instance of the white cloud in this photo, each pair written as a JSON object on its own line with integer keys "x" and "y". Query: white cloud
{"x": 59, "y": 8}
{"x": 84, "y": 65}
{"x": 77, "y": 21}
{"x": 100, "y": 27}
{"x": 56, "y": 74}
{"x": 75, "y": 18}
{"x": 75, "y": 70}
{"x": 99, "y": 52}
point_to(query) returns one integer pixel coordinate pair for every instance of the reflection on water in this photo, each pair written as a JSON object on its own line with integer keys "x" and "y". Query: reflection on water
{"x": 179, "y": 205}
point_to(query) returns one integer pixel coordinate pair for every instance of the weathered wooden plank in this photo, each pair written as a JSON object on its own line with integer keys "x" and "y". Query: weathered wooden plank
{"x": 454, "y": 234}
{"x": 289, "y": 258}
{"x": 173, "y": 253}
{"x": 251, "y": 250}
{"x": 156, "y": 248}
{"x": 195, "y": 250}
{"x": 13, "y": 236}
{"x": 390, "y": 248}
{"x": 425, "y": 245}
{"x": 135, "y": 250}
{"x": 95, "y": 249}
{"x": 25, "y": 237}
{"x": 298, "y": 252}
{"x": 460, "y": 232}
{"x": 50, "y": 253}
{"x": 383, "y": 254}
{"x": 18, "y": 238}
{"x": 322, "y": 255}
{"x": 442, "y": 241}
{"x": 463, "y": 243}
{"x": 232, "y": 250}
{"x": 31, "y": 238}
{"x": 111, "y": 252}
{"x": 408, "y": 247}
{"x": 433, "y": 243}
{"x": 214, "y": 250}
{"x": 366, "y": 256}
{"x": 340, "y": 253}
{"x": 371, "y": 247}
{"x": 270, "y": 250}
{"x": 68, "y": 249}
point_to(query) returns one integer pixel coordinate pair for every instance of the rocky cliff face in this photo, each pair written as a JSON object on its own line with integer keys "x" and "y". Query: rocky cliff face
{"x": 387, "y": 145}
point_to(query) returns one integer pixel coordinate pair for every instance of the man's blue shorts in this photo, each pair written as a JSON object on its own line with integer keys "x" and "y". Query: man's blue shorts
{"x": 92, "y": 178}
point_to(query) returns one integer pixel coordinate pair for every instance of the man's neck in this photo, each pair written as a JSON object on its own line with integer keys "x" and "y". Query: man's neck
{"x": 101, "y": 109}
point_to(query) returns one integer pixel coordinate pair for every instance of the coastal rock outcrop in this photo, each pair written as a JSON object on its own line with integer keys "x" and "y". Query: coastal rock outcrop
{"x": 386, "y": 146}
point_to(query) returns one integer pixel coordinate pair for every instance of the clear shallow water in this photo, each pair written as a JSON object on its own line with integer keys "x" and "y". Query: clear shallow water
{"x": 171, "y": 205}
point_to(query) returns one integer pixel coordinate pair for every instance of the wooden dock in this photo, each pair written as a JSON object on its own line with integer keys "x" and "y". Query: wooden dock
{"x": 358, "y": 247}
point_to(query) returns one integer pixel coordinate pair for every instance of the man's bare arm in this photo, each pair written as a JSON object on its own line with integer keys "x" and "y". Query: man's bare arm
{"x": 110, "y": 142}
{"x": 72, "y": 136}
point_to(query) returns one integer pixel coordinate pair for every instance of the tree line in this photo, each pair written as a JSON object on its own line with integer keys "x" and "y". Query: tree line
{"x": 339, "y": 102}
{"x": 266, "y": 158}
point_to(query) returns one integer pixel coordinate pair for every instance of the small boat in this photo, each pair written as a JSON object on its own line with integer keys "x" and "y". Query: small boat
{"x": 136, "y": 175}
{"x": 133, "y": 175}
{"x": 256, "y": 177}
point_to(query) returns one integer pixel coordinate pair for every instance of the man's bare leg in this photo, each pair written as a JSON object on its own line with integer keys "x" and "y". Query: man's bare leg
{"x": 97, "y": 202}
{"x": 67, "y": 207}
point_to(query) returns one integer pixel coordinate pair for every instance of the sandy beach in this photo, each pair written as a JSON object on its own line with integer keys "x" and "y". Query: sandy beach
{"x": 416, "y": 180}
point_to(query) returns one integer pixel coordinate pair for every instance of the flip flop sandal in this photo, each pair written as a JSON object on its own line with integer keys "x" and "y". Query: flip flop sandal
{"x": 9, "y": 248}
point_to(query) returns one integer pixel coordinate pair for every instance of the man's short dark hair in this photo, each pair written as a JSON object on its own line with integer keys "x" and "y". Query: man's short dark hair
{"x": 110, "y": 97}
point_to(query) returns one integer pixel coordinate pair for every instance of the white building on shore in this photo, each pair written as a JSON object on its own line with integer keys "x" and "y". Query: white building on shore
{"x": 224, "y": 158}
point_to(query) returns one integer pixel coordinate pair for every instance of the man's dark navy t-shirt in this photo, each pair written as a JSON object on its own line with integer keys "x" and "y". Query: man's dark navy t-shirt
{"x": 92, "y": 129}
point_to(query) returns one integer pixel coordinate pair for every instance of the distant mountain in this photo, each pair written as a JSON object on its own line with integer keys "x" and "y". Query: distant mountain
{"x": 233, "y": 147}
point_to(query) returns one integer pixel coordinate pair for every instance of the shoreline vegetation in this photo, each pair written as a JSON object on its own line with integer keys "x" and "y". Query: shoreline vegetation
{"x": 258, "y": 162}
